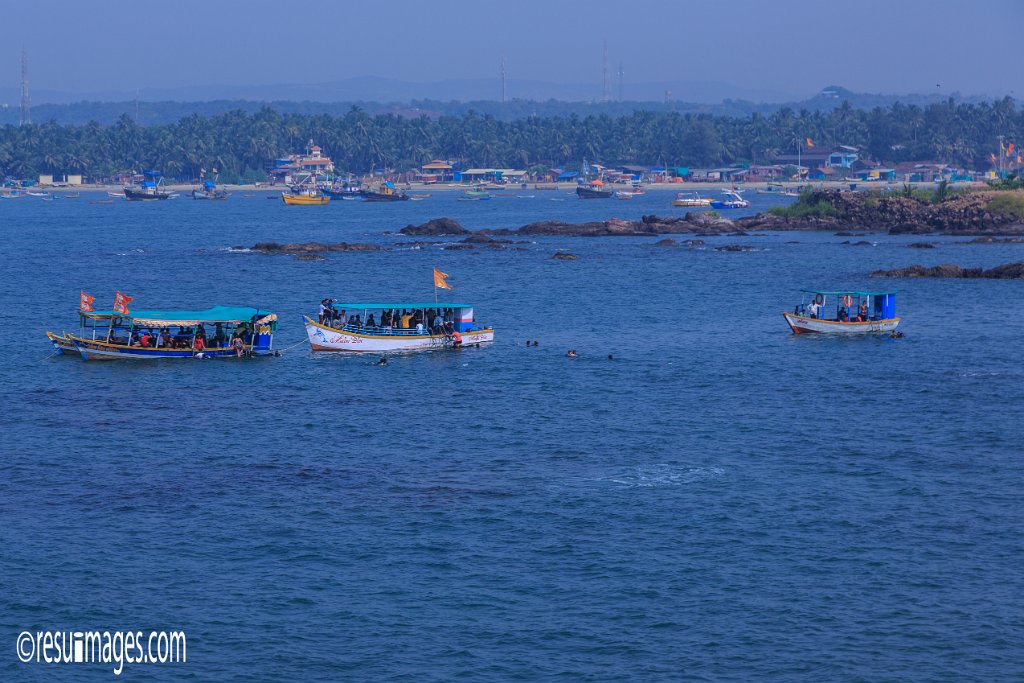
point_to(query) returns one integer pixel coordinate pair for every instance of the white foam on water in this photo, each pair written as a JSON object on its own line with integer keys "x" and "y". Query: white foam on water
{"x": 662, "y": 474}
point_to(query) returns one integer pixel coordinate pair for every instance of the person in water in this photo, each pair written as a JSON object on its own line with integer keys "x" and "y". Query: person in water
{"x": 571, "y": 353}
{"x": 383, "y": 361}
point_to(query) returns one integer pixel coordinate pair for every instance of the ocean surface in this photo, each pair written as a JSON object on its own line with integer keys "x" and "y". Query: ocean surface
{"x": 720, "y": 500}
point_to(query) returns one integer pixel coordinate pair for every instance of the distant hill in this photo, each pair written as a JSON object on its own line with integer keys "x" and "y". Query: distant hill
{"x": 149, "y": 112}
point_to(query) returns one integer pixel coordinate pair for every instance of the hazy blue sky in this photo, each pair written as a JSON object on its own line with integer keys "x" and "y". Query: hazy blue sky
{"x": 792, "y": 47}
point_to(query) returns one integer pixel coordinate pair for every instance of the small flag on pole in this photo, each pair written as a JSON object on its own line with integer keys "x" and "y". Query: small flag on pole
{"x": 85, "y": 302}
{"x": 439, "y": 279}
{"x": 809, "y": 143}
{"x": 121, "y": 302}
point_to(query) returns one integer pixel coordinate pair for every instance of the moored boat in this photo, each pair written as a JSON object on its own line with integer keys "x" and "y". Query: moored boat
{"x": 392, "y": 327}
{"x": 732, "y": 200}
{"x": 778, "y": 190}
{"x": 843, "y": 312}
{"x": 690, "y": 199}
{"x": 148, "y": 190}
{"x": 220, "y": 331}
{"x": 304, "y": 197}
{"x": 593, "y": 190}
{"x": 385, "y": 193}
{"x": 209, "y": 191}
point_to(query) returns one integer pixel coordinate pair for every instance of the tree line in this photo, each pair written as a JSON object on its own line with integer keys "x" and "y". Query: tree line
{"x": 242, "y": 145}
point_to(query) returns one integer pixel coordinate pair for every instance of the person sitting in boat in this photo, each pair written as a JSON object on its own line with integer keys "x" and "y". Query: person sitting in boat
{"x": 145, "y": 339}
{"x": 238, "y": 345}
{"x": 370, "y": 322}
{"x": 843, "y": 316}
{"x": 385, "y": 319}
{"x": 437, "y": 324}
{"x": 199, "y": 343}
{"x": 218, "y": 337}
{"x": 862, "y": 315}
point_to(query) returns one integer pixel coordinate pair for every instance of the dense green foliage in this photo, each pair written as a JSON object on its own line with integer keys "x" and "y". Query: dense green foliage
{"x": 805, "y": 207}
{"x": 1007, "y": 204}
{"x": 242, "y": 145}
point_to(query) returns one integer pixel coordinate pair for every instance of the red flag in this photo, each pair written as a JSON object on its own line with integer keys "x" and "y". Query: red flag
{"x": 85, "y": 302}
{"x": 121, "y": 302}
{"x": 1009, "y": 150}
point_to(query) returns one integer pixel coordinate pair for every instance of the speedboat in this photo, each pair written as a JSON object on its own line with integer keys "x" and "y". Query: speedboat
{"x": 732, "y": 200}
{"x": 690, "y": 199}
{"x": 843, "y": 312}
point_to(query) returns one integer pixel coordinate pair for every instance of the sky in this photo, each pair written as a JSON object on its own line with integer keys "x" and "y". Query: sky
{"x": 782, "y": 46}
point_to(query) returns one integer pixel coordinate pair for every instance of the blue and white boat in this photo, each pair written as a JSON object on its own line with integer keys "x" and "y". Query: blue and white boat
{"x": 731, "y": 200}
{"x": 843, "y": 312}
{"x": 390, "y": 327}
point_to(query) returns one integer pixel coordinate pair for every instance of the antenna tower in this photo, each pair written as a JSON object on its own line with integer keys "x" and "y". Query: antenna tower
{"x": 621, "y": 75}
{"x": 26, "y": 103}
{"x": 503, "y": 79}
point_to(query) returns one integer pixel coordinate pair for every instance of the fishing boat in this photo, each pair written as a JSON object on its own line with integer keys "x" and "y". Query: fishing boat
{"x": 343, "y": 192}
{"x": 209, "y": 191}
{"x": 623, "y": 194}
{"x": 843, "y": 312}
{"x": 778, "y": 190}
{"x": 385, "y": 193}
{"x": 732, "y": 200}
{"x": 309, "y": 196}
{"x": 477, "y": 194}
{"x": 148, "y": 190}
{"x": 356, "y": 327}
{"x": 115, "y": 195}
{"x": 221, "y": 331}
{"x": 690, "y": 199}
{"x": 593, "y": 190}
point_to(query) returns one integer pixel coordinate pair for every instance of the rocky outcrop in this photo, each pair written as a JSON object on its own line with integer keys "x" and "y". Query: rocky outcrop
{"x": 1008, "y": 271}
{"x": 736, "y": 247}
{"x": 564, "y": 256}
{"x": 311, "y": 247}
{"x": 667, "y": 242}
{"x": 921, "y": 245}
{"x": 435, "y": 227}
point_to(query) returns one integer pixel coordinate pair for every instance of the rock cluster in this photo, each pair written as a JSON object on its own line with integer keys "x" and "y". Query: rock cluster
{"x": 311, "y": 247}
{"x": 1008, "y": 271}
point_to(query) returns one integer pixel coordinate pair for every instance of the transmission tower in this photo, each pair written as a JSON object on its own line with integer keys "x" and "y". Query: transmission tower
{"x": 26, "y": 103}
{"x": 503, "y": 79}
{"x": 621, "y": 75}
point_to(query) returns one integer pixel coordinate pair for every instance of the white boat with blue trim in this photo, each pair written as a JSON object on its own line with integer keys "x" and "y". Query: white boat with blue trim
{"x": 393, "y": 327}
{"x": 843, "y": 312}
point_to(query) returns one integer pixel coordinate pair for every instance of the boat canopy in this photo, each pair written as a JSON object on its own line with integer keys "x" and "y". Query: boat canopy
{"x": 217, "y": 314}
{"x": 429, "y": 304}
{"x": 844, "y": 292}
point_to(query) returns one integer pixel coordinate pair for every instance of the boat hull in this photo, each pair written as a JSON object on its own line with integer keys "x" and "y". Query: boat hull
{"x": 91, "y": 349}
{"x": 804, "y": 325}
{"x": 369, "y": 196}
{"x": 142, "y": 196}
{"x": 304, "y": 199}
{"x": 587, "y": 193}
{"x": 323, "y": 338}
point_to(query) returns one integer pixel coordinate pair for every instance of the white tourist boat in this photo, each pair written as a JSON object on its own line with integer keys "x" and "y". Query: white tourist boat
{"x": 852, "y": 312}
{"x": 378, "y": 327}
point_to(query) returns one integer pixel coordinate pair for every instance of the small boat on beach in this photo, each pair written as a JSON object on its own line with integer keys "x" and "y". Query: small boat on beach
{"x": 391, "y": 327}
{"x": 843, "y": 312}
{"x": 221, "y": 331}
{"x": 777, "y": 190}
{"x": 732, "y": 200}
{"x": 690, "y": 199}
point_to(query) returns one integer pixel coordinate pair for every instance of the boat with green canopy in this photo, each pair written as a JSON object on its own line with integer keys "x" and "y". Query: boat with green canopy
{"x": 843, "y": 312}
{"x": 220, "y": 331}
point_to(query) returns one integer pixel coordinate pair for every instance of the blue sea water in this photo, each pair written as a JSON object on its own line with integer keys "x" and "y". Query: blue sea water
{"x": 720, "y": 501}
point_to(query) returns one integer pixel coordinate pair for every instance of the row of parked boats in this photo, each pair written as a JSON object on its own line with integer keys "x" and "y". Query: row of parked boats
{"x": 390, "y": 327}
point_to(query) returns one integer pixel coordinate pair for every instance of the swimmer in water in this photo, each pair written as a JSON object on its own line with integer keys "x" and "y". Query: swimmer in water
{"x": 383, "y": 361}
{"x": 571, "y": 354}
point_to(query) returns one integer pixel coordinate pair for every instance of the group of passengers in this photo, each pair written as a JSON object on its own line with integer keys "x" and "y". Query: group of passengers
{"x": 814, "y": 310}
{"x": 430, "y": 320}
{"x": 195, "y": 338}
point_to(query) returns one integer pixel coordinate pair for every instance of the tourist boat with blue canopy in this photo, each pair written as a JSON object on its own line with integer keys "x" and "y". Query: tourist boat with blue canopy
{"x": 391, "y": 327}
{"x": 221, "y": 331}
{"x": 210, "y": 190}
{"x": 148, "y": 190}
{"x": 843, "y": 312}
{"x": 731, "y": 199}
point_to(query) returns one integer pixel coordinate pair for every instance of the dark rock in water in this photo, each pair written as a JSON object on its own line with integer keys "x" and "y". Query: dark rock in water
{"x": 667, "y": 242}
{"x": 995, "y": 240}
{"x": 1008, "y": 271}
{"x": 739, "y": 233}
{"x": 564, "y": 256}
{"x": 736, "y": 247}
{"x": 434, "y": 227}
{"x": 309, "y": 257}
{"x": 458, "y": 247}
{"x": 921, "y": 245}
{"x": 693, "y": 243}
{"x": 858, "y": 243}
{"x": 238, "y": 247}
{"x": 496, "y": 245}
{"x": 311, "y": 247}
{"x": 843, "y": 233}
{"x": 479, "y": 239}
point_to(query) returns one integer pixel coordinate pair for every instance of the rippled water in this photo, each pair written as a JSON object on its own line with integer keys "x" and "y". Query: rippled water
{"x": 719, "y": 501}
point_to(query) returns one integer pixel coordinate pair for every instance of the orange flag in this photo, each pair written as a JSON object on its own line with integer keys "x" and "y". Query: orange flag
{"x": 809, "y": 143}
{"x": 85, "y": 302}
{"x": 121, "y": 302}
{"x": 439, "y": 279}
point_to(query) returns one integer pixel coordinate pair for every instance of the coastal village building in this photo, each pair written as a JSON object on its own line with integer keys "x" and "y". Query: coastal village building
{"x": 436, "y": 171}
{"x": 313, "y": 162}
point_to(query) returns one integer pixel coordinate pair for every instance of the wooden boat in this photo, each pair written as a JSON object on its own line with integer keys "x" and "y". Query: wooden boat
{"x": 852, "y": 312}
{"x": 690, "y": 199}
{"x": 593, "y": 190}
{"x": 477, "y": 194}
{"x": 101, "y": 201}
{"x": 115, "y": 195}
{"x": 209, "y": 191}
{"x": 778, "y": 190}
{"x": 304, "y": 198}
{"x": 106, "y": 335}
{"x": 343, "y": 192}
{"x": 71, "y": 195}
{"x": 385, "y": 193}
{"x": 732, "y": 200}
{"x": 350, "y": 333}
{"x": 148, "y": 190}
